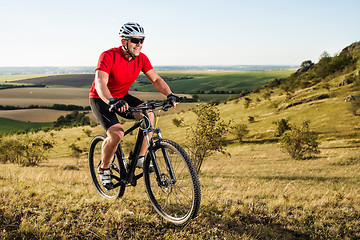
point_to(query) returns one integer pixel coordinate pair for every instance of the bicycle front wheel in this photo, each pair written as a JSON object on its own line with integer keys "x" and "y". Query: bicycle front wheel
{"x": 177, "y": 197}
{"x": 95, "y": 150}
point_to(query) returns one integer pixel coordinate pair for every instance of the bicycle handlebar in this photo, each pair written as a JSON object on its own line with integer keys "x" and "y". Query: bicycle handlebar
{"x": 149, "y": 106}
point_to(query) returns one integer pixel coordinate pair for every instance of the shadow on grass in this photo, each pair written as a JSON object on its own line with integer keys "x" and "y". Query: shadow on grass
{"x": 217, "y": 220}
{"x": 255, "y": 141}
{"x": 306, "y": 178}
{"x": 219, "y": 224}
{"x": 340, "y": 147}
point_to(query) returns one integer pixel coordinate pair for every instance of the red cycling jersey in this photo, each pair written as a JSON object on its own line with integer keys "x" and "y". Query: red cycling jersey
{"x": 122, "y": 72}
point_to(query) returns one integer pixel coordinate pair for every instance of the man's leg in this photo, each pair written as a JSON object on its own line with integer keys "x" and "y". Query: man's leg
{"x": 114, "y": 135}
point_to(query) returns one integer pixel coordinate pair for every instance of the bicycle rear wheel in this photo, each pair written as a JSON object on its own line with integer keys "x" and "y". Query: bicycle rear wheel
{"x": 94, "y": 162}
{"x": 176, "y": 201}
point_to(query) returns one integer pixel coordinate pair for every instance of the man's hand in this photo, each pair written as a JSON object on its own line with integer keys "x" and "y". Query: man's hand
{"x": 173, "y": 99}
{"x": 118, "y": 105}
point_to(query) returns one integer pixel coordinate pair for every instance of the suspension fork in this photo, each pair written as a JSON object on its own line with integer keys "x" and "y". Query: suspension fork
{"x": 170, "y": 170}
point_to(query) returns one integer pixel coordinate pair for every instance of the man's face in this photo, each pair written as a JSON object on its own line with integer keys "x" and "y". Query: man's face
{"x": 134, "y": 45}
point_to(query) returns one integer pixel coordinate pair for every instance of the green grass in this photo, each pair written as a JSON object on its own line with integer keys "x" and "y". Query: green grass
{"x": 8, "y": 125}
{"x": 218, "y": 81}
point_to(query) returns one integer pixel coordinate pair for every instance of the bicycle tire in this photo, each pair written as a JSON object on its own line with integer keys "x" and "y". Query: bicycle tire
{"x": 95, "y": 160}
{"x": 177, "y": 202}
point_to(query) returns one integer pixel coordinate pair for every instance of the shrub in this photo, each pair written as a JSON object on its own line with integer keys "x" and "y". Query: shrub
{"x": 247, "y": 102}
{"x": 87, "y": 132}
{"x": 251, "y": 119}
{"x": 178, "y": 122}
{"x": 240, "y": 131}
{"x": 354, "y": 105}
{"x": 25, "y": 150}
{"x": 267, "y": 95}
{"x": 208, "y": 135}
{"x": 300, "y": 142}
{"x": 76, "y": 151}
{"x": 214, "y": 101}
{"x": 9, "y": 150}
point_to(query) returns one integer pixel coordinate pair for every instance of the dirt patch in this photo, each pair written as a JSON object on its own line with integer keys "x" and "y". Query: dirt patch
{"x": 24, "y": 97}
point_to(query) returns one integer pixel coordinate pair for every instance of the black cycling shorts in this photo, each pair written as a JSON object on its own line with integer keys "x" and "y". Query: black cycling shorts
{"x": 106, "y": 118}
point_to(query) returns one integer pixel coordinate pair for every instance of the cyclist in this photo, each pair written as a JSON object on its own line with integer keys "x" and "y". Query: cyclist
{"x": 116, "y": 70}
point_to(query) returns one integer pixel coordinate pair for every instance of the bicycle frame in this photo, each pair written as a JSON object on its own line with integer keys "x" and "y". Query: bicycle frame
{"x": 145, "y": 127}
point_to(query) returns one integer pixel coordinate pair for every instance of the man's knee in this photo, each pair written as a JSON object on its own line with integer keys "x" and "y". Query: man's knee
{"x": 116, "y": 132}
{"x": 151, "y": 115}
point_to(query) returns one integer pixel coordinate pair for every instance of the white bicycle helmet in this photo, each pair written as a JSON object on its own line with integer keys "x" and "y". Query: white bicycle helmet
{"x": 131, "y": 29}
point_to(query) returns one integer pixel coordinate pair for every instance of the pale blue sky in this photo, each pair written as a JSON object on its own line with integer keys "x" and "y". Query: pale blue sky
{"x": 185, "y": 32}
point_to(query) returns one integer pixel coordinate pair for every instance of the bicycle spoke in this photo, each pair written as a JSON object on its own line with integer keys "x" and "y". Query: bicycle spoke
{"x": 176, "y": 201}
{"x": 95, "y": 151}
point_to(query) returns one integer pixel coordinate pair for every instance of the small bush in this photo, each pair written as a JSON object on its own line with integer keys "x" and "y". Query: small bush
{"x": 25, "y": 150}
{"x": 87, "y": 132}
{"x": 178, "y": 122}
{"x": 76, "y": 151}
{"x": 251, "y": 119}
{"x": 240, "y": 131}
{"x": 354, "y": 105}
{"x": 300, "y": 142}
{"x": 214, "y": 102}
{"x": 267, "y": 95}
{"x": 247, "y": 102}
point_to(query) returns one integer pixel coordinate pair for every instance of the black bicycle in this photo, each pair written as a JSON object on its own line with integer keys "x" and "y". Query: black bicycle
{"x": 171, "y": 182}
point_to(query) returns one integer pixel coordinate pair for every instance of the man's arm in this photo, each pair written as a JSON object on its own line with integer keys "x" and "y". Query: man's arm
{"x": 158, "y": 82}
{"x": 101, "y": 80}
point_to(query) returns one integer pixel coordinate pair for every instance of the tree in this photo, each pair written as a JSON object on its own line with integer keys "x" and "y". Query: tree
{"x": 325, "y": 56}
{"x": 240, "y": 131}
{"x": 306, "y": 65}
{"x": 72, "y": 119}
{"x": 208, "y": 135}
{"x": 300, "y": 142}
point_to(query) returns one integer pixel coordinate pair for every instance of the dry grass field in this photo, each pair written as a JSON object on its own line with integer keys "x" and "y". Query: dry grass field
{"x": 257, "y": 193}
{"x": 24, "y": 97}
{"x": 33, "y": 115}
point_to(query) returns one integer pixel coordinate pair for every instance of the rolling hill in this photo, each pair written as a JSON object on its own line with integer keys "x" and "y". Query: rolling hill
{"x": 180, "y": 82}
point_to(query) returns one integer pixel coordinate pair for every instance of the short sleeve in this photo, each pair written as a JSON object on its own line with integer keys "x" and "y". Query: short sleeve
{"x": 105, "y": 62}
{"x": 146, "y": 64}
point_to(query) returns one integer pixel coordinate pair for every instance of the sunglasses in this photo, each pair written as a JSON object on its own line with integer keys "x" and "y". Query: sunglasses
{"x": 137, "y": 40}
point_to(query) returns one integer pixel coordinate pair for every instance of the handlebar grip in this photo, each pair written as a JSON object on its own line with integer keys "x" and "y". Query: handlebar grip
{"x": 166, "y": 106}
